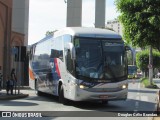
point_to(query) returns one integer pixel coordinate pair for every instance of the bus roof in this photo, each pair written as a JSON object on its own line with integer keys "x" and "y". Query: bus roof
{"x": 43, "y": 39}
{"x": 87, "y": 32}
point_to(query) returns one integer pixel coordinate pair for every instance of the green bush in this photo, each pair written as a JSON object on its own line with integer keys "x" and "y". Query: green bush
{"x": 146, "y": 83}
{"x": 142, "y": 59}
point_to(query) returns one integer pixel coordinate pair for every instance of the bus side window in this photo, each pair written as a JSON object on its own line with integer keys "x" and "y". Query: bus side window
{"x": 69, "y": 62}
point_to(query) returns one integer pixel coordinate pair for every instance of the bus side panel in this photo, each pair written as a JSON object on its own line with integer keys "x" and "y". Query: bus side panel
{"x": 31, "y": 78}
{"x": 55, "y": 75}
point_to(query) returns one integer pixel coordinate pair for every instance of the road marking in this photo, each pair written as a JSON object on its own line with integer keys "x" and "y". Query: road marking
{"x": 139, "y": 86}
{"x": 138, "y": 98}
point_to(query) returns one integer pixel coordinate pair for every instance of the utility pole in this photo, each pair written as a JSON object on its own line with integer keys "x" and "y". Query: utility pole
{"x": 150, "y": 66}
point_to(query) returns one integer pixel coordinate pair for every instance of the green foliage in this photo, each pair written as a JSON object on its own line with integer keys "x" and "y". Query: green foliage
{"x": 129, "y": 58}
{"x": 141, "y": 22}
{"x": 146, "y": 83}
{"x": 142, "y": 59}
{"x": 50, "y": 32}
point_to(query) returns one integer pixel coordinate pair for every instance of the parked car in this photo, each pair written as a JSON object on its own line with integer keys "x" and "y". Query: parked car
{"x": 139, "y": 74}
{"x": 157, "y": 75}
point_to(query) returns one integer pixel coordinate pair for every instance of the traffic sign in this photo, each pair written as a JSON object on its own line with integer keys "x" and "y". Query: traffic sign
{"x": 149, "y": 66}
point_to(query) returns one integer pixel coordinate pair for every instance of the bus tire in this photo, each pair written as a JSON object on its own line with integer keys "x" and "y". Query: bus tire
{"x": 38, "y": 93}
{"x": 62, "y": 99}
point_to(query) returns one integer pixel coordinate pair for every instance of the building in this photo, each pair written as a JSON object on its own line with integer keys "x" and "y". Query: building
{"x": 10, "y": 20}
{"x": 20, "y": 17}
{"x": 74, "y": 13}
{"x": 115, "y": 25}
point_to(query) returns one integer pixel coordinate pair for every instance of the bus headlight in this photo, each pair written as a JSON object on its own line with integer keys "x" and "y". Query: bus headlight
{"x": 124, "y": 86}
{"x": 83, "y": 87}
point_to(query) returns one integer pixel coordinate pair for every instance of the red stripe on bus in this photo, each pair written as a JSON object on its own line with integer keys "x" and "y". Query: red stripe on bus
{"x": 57, "y": 68}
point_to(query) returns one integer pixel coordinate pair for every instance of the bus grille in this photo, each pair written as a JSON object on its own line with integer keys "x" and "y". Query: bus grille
{"x": 104, "y": 89}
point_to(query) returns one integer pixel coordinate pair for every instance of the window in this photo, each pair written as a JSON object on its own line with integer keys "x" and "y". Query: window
{"x": 69, "y": 61}
{"x": 67, "y": 53}
{"x": 57, "y": 49}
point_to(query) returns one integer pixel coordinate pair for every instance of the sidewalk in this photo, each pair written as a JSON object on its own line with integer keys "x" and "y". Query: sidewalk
{"x": 4, "y": 96}
{"x": 156, "y": 118}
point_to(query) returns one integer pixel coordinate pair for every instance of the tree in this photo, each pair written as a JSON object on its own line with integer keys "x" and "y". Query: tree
{"x": 50, "y": 32}
{"x": 130, "y": 58}
{"x": 142, "y": 60}
{"x": 141, "y": 23}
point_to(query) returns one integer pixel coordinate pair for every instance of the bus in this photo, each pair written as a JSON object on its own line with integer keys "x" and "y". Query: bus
{"x": 80, "y": 64}
{"x": 132, "y": 71}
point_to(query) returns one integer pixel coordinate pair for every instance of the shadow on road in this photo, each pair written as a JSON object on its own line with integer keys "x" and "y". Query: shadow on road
{"x": 45, "y": 97}
{"x": 17, "y": 103}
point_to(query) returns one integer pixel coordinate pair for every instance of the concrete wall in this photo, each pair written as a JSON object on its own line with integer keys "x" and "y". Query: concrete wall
{"x": 74, "y": 13}
{"x": 5, "y": 36}
{"x": 115, "y": 25}
{"x": 20, "y": 16}
{"x": 100, "y": 13}
{"x": 12, "y": 19}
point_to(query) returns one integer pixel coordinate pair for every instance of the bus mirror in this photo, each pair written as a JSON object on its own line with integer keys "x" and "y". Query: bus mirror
{"x": 127, "y": 48}
{"x": 72, "y": 50}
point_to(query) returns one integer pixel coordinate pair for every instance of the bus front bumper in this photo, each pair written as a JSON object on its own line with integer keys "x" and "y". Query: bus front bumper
{"x": 84, "y": 95}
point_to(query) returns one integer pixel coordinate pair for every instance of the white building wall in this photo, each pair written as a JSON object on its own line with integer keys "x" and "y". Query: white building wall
{"x": 115, "y": 25}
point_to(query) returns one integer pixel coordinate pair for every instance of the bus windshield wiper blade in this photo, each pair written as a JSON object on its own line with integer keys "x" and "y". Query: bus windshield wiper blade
{"x": 112, "y": 74}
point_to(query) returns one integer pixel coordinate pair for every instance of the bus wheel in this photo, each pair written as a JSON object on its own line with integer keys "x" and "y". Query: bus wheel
{"x": 38, "y": 93}
{"x": 61, "y": 96}
{"x": 104, "y": 102}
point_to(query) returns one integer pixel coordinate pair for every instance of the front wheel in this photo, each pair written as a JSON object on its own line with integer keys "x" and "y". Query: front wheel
{"x": 62, "y": 99}
{"x": 38, "y": 93}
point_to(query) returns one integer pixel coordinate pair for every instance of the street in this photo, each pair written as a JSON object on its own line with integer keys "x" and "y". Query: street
{"x": 139, "y": 100}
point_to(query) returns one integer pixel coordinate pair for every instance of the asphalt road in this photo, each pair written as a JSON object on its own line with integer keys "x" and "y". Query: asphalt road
{"x": 139, "y": 100}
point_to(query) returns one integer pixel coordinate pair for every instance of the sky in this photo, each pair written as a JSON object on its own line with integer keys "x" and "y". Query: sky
{"x": 50, "y": 15}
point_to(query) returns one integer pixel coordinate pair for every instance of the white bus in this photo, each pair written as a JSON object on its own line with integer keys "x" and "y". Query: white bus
{"x": 80, "y": 64}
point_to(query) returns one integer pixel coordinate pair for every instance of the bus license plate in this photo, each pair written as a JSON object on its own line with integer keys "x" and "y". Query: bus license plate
{"x": 103, "y": 96}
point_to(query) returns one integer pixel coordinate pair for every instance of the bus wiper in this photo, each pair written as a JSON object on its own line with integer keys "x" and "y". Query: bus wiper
{"x": 86, "y": 78}
{"x": 112, "y": 73}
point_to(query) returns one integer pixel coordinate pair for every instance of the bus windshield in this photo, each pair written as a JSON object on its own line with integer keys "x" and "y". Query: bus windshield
{"x": 99, "y": 59}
